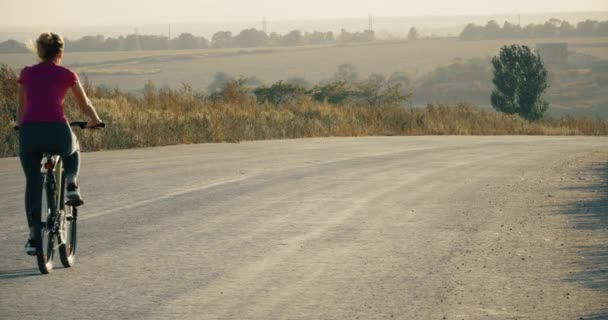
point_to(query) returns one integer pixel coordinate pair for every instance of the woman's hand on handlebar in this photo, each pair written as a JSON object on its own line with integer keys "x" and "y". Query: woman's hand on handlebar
{"x": 94, "y": 123}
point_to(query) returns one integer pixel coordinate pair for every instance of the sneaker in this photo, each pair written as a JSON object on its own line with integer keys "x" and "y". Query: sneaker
{"x": 30, "y": 248}
{"x": 74, "y": 198}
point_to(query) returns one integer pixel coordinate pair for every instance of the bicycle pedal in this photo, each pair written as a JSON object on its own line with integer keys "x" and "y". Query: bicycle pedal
{"x": 74, "y": 203}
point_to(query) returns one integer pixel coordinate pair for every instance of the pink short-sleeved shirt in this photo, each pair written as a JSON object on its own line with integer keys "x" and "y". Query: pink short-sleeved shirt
{"x": 45, "y": 86}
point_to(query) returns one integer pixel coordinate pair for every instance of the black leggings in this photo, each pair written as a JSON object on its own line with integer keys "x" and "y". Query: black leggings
{"x": 35, "y": 138}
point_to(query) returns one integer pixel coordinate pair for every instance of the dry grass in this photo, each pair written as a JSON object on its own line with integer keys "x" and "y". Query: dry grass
{"x": 8, "y": 107}
{"x": 166, "y": 117}
{"x": 119, "y": 72}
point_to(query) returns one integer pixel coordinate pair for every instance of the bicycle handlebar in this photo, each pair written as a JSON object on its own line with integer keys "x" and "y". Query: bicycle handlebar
{"x": 80, "y": 124}
{"x": 83, "y": 125}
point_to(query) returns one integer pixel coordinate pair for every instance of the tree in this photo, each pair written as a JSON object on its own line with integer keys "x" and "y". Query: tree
{"x": 399, "y": 77}
{"x": 365, "y": 36}
{"x": 510, "y": 30}
{"x": 546, "y": 30}
{"x": 222, "y": 39}
{"x": 378, "y": 90}
{"x": 319, "y": 37}
{"x": 370, "y": 91}
{"x": 472, "y": 32}
{"x": 492, "y": 30}
{"x": 275, "y": 39}
{"x": 12, "y": 46}
{"x": 413, "y": 34}
{"x": 587, "y": 28}
{"x": 186, "y": 41}
{"x": 602, "y": 29}
{"x": 251, "y": 38}
{"x": 294, "y": 38}
{"x": 299, "y": 81}
{"x": 279, "y": 93}
{"x": 236, "y": 91}
{"x": 87, "y": 43}
{"x": 520, "y": 79}
{"x": 566, "y": 29}
{"x": 346, "y": 72}
{"x": 219, "y": 80}
{"x": 334, "y": 92}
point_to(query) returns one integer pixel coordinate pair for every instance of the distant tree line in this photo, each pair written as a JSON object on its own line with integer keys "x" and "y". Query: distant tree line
{"x": 247, "y": 38}
{"x": 552, "y": 28}
{"x": 344, "y": 86}
{"x": 12, "y": 46}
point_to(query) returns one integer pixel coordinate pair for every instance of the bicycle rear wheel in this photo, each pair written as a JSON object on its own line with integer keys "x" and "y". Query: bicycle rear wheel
{"x": 49, "y": 227}
{"x": 67, "y": 249}
{"x": 44, "y": 237}
{"x": 44, "y": 248}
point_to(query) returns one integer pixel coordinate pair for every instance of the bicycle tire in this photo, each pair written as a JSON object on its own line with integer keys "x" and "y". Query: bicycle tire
{"x": 69, "y": 214}
{"x": 43, "y": 237}
{"x": 67, "y": 250}
{"x": 44, "y": 248}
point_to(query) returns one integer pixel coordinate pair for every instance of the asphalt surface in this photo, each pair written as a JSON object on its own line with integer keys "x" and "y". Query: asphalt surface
{"x": 332, "y": 228}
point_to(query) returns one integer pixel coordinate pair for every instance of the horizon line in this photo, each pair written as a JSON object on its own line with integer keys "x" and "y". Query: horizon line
{"x": 307, "y": 19}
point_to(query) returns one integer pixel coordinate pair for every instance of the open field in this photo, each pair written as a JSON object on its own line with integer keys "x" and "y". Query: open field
{"x": 131, "y": 70}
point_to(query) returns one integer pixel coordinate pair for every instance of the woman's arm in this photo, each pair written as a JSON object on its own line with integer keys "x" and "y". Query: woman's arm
{"x": 85, "y": 104}
{"x": 21, "y": 106}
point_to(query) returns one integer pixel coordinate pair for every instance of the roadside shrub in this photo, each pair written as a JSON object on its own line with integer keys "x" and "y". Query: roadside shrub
{"x": 333, "y": 92}
{"x": 233, "y": 91}
{"x": 168, "y": 116}
{"x": 8, "y": 110}
{"x": 279, "y": 93}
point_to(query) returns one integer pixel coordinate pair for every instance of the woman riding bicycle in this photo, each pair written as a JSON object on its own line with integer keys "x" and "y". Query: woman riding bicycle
{"x": 43, "y": 126}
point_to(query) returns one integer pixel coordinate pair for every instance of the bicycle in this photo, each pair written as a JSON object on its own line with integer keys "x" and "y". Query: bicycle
{"x": 60, "y": 220}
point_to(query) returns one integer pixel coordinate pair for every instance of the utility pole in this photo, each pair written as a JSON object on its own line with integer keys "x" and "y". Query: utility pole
{"x": 519, "y": 20}
{"x": 137, "y": 44}
{"x": 169, "y": 37}
{"x": 264, "y": 25}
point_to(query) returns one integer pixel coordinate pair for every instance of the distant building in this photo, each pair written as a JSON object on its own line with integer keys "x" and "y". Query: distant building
{"x": 553, "y": 52}
{"x": 600, "y": 72}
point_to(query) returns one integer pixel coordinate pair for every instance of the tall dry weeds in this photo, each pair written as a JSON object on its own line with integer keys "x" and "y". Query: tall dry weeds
{"x": 180, "y": 116}
{"x": 8, "y": 110}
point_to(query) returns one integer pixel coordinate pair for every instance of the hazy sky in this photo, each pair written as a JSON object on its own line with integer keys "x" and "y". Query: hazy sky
{"x": 111, "y": 12}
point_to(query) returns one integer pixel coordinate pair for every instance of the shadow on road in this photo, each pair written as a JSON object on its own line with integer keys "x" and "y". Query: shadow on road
{"x": 590, "y": 212}
{"x": 599, "y": 316}
{"x": 12, "y": 274}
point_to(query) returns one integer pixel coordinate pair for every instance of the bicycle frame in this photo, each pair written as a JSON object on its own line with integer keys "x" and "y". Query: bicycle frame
{"x": 52, "y": 192}
{"x": 55, "y": 194}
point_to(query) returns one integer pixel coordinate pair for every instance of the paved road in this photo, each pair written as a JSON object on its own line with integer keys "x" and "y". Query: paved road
{"x": 336, "y": 228}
